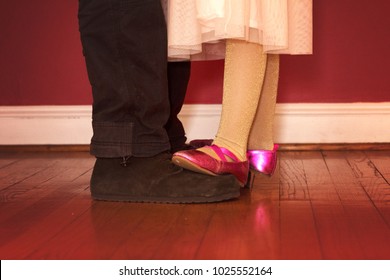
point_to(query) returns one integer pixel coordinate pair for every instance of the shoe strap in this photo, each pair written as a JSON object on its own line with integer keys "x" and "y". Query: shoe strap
{"x": 223, "y": 152}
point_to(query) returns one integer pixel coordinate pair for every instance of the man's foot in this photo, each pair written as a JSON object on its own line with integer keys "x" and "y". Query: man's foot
{"x": 182, "y": 147}
{"x": 199, "y": 143}
{"x": 157, "y": 179}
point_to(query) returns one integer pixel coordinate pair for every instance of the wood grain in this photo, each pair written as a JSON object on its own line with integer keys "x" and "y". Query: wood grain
{"x": 319, "y": 204}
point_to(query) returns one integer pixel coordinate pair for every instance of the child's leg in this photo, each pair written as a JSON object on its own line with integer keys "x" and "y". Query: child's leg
{"x": 261, "y": 135}
{"x": 245, "y": 65}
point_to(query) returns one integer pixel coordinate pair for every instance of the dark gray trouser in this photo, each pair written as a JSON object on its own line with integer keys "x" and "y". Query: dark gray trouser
{"x": 124, "y": 44}
{"x": 178, "y": 78}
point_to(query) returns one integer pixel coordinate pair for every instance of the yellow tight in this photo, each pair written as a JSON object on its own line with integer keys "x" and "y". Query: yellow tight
{"x": 261, "y": 135}
{"x": 249, "y": 98}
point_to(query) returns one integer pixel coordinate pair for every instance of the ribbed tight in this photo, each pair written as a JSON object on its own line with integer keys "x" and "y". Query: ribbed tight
{"x": 249, "y": 98}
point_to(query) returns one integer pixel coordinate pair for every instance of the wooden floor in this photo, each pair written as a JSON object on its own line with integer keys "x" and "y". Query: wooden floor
{"x": 318, "y": 205}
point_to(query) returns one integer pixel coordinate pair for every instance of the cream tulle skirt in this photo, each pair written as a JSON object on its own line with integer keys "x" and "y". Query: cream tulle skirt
{"x": 197, "y": 29}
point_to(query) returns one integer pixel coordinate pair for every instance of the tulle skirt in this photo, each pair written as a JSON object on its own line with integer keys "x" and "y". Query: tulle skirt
{"x": 197, "y": 29}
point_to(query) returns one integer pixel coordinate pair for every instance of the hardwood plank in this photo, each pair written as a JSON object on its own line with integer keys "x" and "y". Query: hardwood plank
{"x": 150, "y": 232}
{"x": 247, "y": 228}
{"x": 318, "y": 205}
{"x": 32, "y": 242}
{"x": 21, "y": 170}
{"x": 21, "y": 217}
{"x": 299, "y": 238}
{"x": 370, "y": 229}
{"x": 30, "y": 194}
{"x": 381, "y": 161}
{"x": 344, "y": 178}
{"x": 384, "y": 210}
{"x": 184, "y": 237}
{"x": 372, "y": 181}
{"x": 5, "y": 162}
{"x": 319, "y": 182}
{"x": 338, "y": 239}
{"x": 94, "y": 234}
{"x": 263, "y": 191}
{"x": 348, "y": 171}
{"x": 282, "y": 147}
{"x": 59, "y": 170}
{"x": 361, "y": 165}
{"x": 110, "y": 230}
{"x": 292, "y": 177}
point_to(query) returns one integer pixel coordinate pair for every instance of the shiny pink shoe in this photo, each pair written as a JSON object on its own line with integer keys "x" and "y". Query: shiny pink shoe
{"x": 263, "y": 161}
{"x": 198, "y": 161}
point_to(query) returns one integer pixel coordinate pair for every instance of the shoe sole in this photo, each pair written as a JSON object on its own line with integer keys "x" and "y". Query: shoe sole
{"x": 175, "y": 200}
{"x": 189, "y": 165}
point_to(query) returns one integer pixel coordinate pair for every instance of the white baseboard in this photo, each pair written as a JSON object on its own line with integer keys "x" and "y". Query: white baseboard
{"x": 294, "y": 123}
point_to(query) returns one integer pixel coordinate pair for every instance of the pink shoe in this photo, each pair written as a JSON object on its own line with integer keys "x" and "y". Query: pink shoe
{"x": 198, "y": 161}
{"x": 263, "y": 161}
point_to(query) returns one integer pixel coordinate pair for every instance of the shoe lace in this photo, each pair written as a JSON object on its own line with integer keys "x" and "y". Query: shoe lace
{"x": 124, "y": 161}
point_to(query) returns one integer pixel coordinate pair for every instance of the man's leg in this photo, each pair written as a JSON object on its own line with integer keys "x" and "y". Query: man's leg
{"x": 124, "y": 42}
{"x": 178, "y": 78}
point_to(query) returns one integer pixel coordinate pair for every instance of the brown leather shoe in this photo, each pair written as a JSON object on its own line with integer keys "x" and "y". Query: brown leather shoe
{"x": 157, "y": 179}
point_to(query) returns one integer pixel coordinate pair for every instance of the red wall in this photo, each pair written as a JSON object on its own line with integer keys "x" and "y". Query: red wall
{"x": 41, "y": 61}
